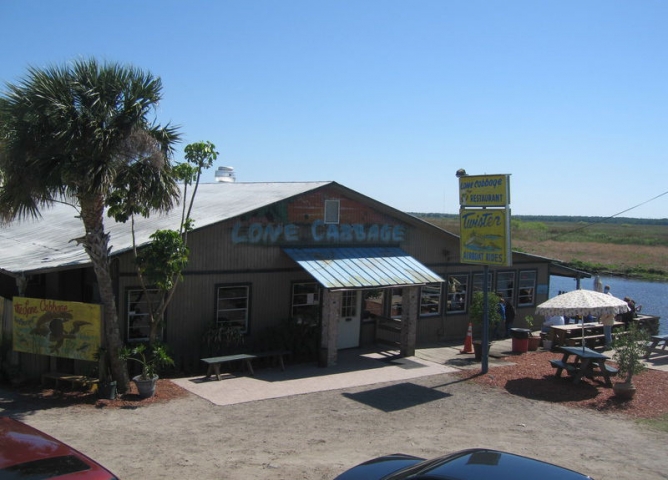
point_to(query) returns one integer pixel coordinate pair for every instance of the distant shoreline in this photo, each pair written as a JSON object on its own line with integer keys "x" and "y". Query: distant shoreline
{"x": 600, "y": 246}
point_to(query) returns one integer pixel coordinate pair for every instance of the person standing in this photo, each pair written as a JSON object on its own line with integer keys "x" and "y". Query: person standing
{"x": 608, "y": 320}
{"x": 510, "y": 316}
{"x": 502, "y": 312}
{"x": 606, "y": 290}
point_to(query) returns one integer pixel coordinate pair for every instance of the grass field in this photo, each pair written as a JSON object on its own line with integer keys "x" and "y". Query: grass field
{"x": 608, "y": 248}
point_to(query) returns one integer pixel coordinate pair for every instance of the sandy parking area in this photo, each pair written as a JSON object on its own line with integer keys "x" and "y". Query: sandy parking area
{"x": 318, "y": 435}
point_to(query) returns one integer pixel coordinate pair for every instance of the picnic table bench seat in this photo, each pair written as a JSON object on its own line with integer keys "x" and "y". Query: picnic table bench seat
{"x": 214, "y": 363}
{"x": 653, "y": 345}
{"x": 589, "y": 340}
{"x": 561, "y": 366}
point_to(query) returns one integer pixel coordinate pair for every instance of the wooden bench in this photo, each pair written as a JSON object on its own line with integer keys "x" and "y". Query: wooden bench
{"x": 653, "y": 346}
{"x": 214, "y": 363}
{"x": 561, "y": 366}
{"x": 274, "y": 354}
{"x": 72, "y": 379}
{"x": 589, "y": 340}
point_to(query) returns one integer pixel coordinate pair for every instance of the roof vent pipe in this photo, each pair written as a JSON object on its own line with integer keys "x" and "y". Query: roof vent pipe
{"x": 225, "y": 174}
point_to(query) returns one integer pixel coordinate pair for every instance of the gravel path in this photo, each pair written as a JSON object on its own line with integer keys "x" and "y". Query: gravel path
{"x": 319, "y": 435}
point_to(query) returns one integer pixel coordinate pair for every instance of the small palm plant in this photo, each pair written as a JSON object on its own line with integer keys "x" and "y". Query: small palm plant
{"x": 630, "y": 348}
{"x": 150, "y": 361}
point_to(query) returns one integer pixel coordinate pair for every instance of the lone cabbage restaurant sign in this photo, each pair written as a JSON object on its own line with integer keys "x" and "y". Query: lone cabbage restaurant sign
{"x": 485, "y": 233}
{"x": 484, "y": 191}
{"x": 60, "y": 329}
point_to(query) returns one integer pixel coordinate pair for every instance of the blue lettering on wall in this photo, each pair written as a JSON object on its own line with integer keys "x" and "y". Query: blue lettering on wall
{"x": 291, "y": 233}
{"x": 271, "y": 233}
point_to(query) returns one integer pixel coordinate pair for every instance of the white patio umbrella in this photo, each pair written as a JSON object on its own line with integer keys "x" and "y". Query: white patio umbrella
{"x": 582, "y": 302}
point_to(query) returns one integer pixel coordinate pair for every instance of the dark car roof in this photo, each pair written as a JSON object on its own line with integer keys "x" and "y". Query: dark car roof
{"x": 472, "y": 464}
{"x": 28, "y": 454}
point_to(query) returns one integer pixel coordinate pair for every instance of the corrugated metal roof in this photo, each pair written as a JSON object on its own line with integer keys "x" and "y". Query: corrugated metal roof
{"x": 364, "y": 267}
{"x": 46, "y": 244}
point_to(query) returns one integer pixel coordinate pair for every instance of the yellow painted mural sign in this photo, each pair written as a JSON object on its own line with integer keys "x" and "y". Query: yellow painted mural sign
{"x": 59, "y": 329}
{"x": 484, "y": 238}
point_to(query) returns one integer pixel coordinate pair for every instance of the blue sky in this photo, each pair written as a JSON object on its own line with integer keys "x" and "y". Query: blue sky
{"x": 390, "y": 97}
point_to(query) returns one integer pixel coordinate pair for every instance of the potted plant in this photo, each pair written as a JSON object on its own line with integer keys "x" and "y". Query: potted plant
{"x": 220, "y": 339}
{"x": 630, "y": 349}
{"x": 150, "y": 363}
{"x": 534, "y": 341}
{"x": 476, "y": 315}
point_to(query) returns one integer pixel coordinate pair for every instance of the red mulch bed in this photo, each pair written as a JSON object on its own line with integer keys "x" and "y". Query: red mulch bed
{"x": 530, "y": 375}
{"x": 41, "y": 397}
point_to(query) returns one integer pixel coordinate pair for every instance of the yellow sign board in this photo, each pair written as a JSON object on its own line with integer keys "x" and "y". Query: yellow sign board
{"x": 59, "y": 329}
{"x": 485, "y": 236}
{"x": 484, "y": 190}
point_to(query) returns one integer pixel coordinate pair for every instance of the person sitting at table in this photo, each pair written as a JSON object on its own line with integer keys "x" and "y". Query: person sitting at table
{"x": 554, "y": 320}
{"x": 628, "y": 317}
{"x": 608, "y": 320}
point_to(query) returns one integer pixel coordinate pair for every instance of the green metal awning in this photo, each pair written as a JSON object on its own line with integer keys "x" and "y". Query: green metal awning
{"x": 362, "y": 267}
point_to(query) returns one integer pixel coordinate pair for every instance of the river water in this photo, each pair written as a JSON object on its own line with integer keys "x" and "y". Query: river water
{"x": 653, "y": 296}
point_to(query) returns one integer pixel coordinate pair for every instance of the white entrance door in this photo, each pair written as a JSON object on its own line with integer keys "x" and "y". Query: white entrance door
{"x": 350, "y": 319}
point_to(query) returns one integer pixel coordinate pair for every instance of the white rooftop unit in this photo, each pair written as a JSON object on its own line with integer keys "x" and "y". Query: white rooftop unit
{"x": 225, "y": 174}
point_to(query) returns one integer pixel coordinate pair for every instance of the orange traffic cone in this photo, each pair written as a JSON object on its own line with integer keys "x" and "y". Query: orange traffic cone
{"x": 468, "y": 343}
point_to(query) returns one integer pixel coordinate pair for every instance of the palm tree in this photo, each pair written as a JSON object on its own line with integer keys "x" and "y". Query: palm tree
{"x": 81, "y": 134}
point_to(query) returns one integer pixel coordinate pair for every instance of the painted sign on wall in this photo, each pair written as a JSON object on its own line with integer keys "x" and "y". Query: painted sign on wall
{"x": 56, "y": 328}
{"x": 484, "y": 191}
{"x": 484, "y": 238}
{"x": 317, "y": 232}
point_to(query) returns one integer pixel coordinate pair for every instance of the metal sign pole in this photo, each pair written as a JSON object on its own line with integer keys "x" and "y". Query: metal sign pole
{"x": 485, "y": 319}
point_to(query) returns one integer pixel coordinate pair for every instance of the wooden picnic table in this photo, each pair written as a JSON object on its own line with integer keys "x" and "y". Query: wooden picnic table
{"x": 587, "y": 363}
{"x": 654, "y": 345}
{"x": 571, "y": 334}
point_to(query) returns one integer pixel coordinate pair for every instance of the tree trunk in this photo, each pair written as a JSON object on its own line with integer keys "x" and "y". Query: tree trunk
{"x": 96, "y": 244}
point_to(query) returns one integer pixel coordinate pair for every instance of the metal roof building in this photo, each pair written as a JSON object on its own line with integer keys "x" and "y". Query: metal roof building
{"x": 328, "y": 264}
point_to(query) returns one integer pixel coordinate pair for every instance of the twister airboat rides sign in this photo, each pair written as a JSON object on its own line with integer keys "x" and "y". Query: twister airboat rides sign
{"x": 57, "y": 328}
{"x": 485, "y": 232}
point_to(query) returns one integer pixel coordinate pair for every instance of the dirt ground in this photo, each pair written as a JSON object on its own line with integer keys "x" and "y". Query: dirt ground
{"x": 319, "y": 435}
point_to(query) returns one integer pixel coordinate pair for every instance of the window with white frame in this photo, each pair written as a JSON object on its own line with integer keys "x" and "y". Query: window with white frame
{"x": 138, "y": 308}
{"x": 527, "y": 288}
{"x": 458, "y": 290}
{"x": 505, "y": 285}
{"x": 232, "y": 305}
{"x": 349, "y": 303}
{"x": 332, "y": 211}
{"x": 306, "y": 302}
{"x": 430, "y": 299}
